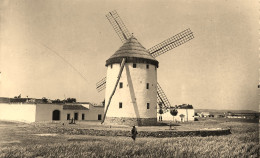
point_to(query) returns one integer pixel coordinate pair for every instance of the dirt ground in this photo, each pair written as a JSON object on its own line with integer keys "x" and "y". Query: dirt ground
{"x": 49, "y": 140}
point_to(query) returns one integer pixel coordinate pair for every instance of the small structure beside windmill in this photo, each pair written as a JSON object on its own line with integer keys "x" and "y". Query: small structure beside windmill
{"x": 132, "y": 91}
{"x": 185, "y": 114}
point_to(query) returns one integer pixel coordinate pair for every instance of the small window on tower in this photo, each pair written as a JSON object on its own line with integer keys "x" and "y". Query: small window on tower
{"x": 147, "y": 85}
{"x": 147, "y": 66}
{"x": 99, "y": 116}
{"x": 148, "y": 105}
{"x": 83, "y": 116}
{"x": 121, "y": 85}
{"x": 111, "y": 66}
{"x": 68, "y": 116}
{"x": 134, "y": 65}
{"x": 120, "y": 105}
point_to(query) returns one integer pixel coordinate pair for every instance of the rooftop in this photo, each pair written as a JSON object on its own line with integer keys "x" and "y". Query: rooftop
{"x": 74, "y": 107}
{"x": 44, "y": 101}
{"x": 133, "y": 51}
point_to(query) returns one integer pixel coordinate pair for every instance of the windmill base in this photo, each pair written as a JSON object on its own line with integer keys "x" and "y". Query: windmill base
{"x": 131, "y": 121}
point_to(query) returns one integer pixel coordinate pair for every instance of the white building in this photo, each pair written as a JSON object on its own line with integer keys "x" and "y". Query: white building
{"x": 135, "y": 98}
{"x": 183, "y": 115}
{"x": 25, "y": 111}
{"x": 204, "y": 114}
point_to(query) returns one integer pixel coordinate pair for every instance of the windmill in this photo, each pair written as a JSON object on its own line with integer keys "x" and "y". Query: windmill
{"x": 134, "y": 68}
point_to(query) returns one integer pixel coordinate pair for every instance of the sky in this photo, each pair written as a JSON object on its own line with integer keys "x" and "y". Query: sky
{"x": 57, "y": 49}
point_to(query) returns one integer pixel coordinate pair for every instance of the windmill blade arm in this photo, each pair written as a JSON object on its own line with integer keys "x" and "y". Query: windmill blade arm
{"x": 161, "y": 97}
{"x": 101, "y": 85}
{"x": 171, "y": 43}
{"x": 114, "y": 90}
{"x": 118, "y": 26}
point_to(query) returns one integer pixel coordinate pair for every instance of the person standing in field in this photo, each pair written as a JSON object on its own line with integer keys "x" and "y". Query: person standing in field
{"x": 134, "y": 133}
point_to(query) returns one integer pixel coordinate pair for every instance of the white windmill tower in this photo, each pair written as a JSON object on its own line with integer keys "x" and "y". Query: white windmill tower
{"x": 132, "y": 91}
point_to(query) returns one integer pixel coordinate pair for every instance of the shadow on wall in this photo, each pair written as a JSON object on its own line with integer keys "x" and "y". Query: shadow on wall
{"x": 131, "y": 90}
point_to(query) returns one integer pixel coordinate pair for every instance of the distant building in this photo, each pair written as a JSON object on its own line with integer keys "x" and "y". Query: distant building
{"x": 185, "y": 114}
{"x": 204, "y": 114}
{"x": 220, "y": 116}
{"x": 211, "y": 115}
{"x": 35, "y": 110}
{"x": 4, "y": 100}
{"x": 243, "y": 115}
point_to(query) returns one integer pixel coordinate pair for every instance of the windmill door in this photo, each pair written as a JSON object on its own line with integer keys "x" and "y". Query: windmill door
{"x": 99, "y": 116}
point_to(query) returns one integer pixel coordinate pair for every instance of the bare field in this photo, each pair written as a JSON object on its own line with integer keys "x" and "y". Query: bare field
{"x": 48, "y": 140}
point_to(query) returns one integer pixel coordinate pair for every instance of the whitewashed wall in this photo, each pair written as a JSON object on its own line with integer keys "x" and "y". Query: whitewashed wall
{"x": 44, "y": 111}
{"x": 71, "y": 112}
{"x": 94, "y": 111}
{"x": 134, "y": 95}
{"x": 189, "y": 115}
{"x": 17, "y": 112}
{"x": 90, "y": 115}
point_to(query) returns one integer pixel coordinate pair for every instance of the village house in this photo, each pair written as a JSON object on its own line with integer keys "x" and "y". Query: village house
{"x": 204, "y": 114}
{"x": 185, "y": 114}
{"x": 36, "y": 110}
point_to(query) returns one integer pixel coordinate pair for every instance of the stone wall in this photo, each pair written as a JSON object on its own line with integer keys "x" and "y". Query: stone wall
{"x": 126, "y": 133}
{"x": 131, "y": 121}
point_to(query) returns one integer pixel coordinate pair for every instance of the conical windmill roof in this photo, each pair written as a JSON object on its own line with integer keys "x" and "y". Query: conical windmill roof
{"x": 134, "y": 52}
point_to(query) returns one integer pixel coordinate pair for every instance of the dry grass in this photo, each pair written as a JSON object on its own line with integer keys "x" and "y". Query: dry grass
{"x": 18, "y": 141}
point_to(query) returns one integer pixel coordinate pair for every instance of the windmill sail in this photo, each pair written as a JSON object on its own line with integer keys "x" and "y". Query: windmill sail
{"x": 101, "y": 85}
{"x": 171, "y": 43}
{"x": 114, "y": 90}
{"x": 118, "y": 26}
{"x": 161, "y": 98}
{"x": 123, "y": 34}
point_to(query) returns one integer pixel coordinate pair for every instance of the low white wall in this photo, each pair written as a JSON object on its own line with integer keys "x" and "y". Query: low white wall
{"x": 18, "y": 112}
{"x": 188, "y": 115}
{"x": 44, "y": 112}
